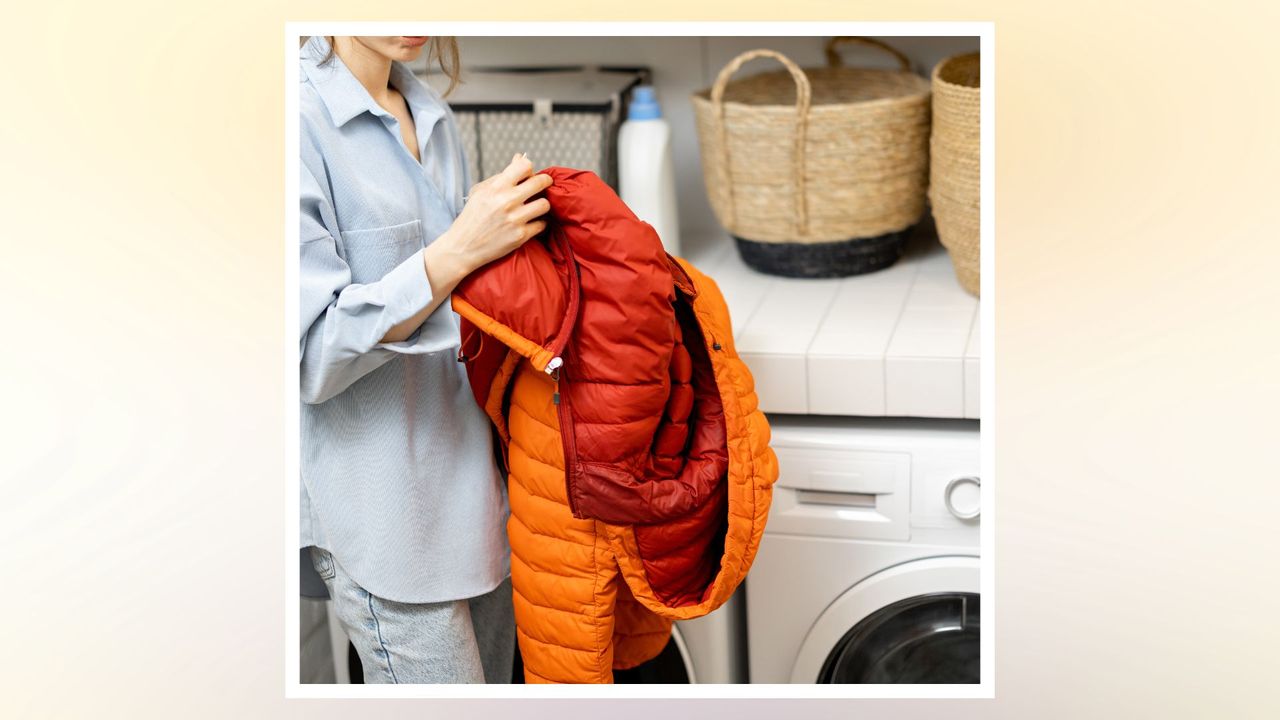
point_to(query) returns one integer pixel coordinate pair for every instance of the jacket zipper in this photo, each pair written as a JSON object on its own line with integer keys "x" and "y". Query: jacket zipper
{"x": 571, "y": 311}
{"x": 567, "y": 441}
{"x": 555, "y": 368}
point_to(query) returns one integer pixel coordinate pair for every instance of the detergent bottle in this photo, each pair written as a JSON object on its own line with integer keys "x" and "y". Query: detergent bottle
{"x": 646, "y": 180}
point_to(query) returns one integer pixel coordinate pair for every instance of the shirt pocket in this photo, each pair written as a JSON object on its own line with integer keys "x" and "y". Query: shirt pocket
{"x": 373, "y": 252}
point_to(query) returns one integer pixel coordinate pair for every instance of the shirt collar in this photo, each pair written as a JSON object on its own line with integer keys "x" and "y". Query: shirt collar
{"x": 345, "y": 98}
{"x": 424, "y": 102}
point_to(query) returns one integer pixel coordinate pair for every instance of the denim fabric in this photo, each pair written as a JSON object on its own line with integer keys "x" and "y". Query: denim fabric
{"x": 461, "y": 641}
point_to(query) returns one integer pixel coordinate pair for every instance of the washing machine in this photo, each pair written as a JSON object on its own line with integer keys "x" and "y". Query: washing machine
{"x": 868, "y": 570}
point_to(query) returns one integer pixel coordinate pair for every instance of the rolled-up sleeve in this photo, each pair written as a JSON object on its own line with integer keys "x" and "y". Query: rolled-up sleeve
{"x": 343, "y": 323}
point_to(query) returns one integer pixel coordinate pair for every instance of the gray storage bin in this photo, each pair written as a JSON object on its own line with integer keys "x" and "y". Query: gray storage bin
{"x": 566, "y": 116}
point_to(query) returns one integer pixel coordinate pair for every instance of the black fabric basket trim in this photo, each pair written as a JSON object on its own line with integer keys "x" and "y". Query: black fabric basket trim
{"x": 840, "y": 258}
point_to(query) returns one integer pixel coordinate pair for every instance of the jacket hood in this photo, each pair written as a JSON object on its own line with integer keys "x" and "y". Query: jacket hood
{"x": 591, "y": 235}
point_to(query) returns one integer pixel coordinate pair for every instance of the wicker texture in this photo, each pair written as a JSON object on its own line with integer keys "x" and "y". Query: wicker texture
{"x": 954, "y": 187}
{"x": 815, "y": 156}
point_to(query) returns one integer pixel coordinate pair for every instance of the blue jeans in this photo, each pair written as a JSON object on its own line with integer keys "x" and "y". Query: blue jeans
{"x": 463, "y": 641}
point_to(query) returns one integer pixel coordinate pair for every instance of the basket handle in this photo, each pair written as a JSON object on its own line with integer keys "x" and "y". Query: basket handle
{"x": 802, "y": 122}
{"x": 833, "y": 55}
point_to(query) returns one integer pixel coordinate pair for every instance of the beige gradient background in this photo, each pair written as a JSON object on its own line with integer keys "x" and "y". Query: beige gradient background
{"x": 141, "y": 191}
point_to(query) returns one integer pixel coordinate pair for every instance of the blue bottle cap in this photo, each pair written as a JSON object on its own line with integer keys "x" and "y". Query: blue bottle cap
{"x": 644, "y": 104}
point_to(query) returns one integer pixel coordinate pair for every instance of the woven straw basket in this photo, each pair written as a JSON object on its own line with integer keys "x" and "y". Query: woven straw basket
{"x": 816, "y": 172}
{"x": 953, "y": 175}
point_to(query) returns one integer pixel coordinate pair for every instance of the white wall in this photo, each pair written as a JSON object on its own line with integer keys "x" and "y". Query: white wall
{"x": 684, "y": 65}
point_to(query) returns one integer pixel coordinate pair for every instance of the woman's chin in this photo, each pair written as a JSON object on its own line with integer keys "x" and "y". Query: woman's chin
{"x": 408, "y": 54}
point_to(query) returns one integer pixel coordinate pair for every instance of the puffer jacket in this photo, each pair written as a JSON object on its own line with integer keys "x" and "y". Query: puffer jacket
{"x": 639, "y": 467}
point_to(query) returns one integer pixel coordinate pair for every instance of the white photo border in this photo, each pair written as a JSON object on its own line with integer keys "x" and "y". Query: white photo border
{"x": 293, "y": 33}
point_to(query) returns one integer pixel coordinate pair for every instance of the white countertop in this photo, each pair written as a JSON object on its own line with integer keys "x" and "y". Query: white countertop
{"x": 899, "y": 342}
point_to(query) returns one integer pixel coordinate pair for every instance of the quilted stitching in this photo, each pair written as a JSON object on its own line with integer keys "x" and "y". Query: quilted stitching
{"x": 591, "y": 596}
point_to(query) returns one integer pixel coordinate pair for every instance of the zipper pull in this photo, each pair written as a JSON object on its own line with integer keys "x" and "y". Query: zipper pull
{"x": 553, "y": 369}
{"x": 553, "y": 365}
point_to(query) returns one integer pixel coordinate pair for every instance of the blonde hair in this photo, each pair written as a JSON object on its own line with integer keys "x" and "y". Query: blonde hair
{"x": 441, "y": 50}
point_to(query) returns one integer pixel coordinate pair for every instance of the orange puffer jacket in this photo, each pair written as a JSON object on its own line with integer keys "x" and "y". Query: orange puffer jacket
{"x": 639, "y": 466}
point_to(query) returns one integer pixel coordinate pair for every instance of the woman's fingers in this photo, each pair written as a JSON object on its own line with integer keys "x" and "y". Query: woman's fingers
{"x": 533, "y": 186}
{"x": 533, "y": 209}
{"x": 518, "y": 169}
{"x": 532, "y": 229}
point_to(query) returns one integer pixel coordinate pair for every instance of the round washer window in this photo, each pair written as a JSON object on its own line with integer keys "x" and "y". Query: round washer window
{"x": 921, "y": 640}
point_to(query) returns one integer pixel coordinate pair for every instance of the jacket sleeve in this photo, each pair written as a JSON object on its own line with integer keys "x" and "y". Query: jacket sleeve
{"x": 343, "y": 323}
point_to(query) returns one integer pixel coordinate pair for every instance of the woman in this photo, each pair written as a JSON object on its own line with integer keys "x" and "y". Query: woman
{"x": 403, "y": 508}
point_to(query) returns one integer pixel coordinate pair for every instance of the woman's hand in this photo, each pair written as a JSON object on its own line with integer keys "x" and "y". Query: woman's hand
{"x": 498, "y": 217}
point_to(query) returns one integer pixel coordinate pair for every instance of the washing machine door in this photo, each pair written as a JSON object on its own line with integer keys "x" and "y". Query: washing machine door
{"x": 911, "y": 623}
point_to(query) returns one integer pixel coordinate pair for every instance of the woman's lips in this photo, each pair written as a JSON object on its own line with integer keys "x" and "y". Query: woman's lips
{"x": 414, "y": 40}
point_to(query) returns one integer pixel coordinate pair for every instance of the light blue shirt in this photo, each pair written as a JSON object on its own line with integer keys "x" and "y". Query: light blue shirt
{"x": 398, "y": 474}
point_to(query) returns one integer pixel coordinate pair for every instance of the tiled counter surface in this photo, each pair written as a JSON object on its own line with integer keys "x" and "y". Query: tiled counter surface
{"x": 900, "y": 342}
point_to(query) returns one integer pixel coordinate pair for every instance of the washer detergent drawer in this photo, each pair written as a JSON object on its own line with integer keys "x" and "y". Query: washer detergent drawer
{"x": 842, "y": 494}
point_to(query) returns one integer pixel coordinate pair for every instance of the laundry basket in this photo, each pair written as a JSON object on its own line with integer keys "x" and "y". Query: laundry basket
{"x": 954, "y": 187}
{"x": 565, "y": 116}
{"x": 816, "y": 172}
